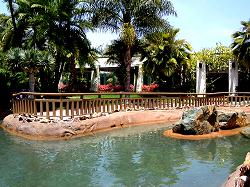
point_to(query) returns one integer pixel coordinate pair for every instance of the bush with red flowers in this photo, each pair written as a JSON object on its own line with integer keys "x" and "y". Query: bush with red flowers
{"x": 62, "y": 87}
{"x": 149, "y": 88}
{"x": 105, "y": 88}
{"x": 131, "y": 88}
{"x": 115, "y": 88}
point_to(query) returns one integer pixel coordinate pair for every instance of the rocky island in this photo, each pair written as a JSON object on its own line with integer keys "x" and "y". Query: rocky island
{"x": 209, "y": 122}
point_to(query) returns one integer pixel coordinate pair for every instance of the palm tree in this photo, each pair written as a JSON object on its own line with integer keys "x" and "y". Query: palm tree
{"x": 3, "y": 25}
{"x": 63, "y": 33}
{"x": 115, "y": 53}
{"x": 132, "y": 19}
{"x": 241, "y": 43}
{"x": 10, "y": 5}
{"x": 29, "y": 61}
{"x": 165, "y": 56}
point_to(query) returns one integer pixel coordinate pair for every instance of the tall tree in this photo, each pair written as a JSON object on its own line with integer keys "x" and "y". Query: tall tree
{"x": 216, "y": 60}
{"x": 115, "y": 53}
{"x": 132, "y": 19}
{"x": 29, "y": 61}
{"x": 63, "y": 33}
{"x": 11, "y": 9}
{"x": 165, "y": 57}
{"x": 241, "y": 43}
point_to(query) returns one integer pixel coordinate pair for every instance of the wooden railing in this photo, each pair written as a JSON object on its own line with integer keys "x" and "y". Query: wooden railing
{"x": 77, "y": 104}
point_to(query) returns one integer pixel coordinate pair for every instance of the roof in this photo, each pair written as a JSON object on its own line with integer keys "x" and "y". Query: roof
{"x": 102, "y": 62}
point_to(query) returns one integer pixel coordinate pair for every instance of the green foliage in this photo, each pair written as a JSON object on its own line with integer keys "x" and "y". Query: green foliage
{"x": 115, "y": 53}
{"x": 128, "y": 34}
{"x": 216, "y": 58}
{"x": 166, "y": 59}
{"x": 11, "y": 81}
{"x": 57, "y": 27}
{"x": 241, "y": 44}
{"x": 132, "y": 18}
{"x": 30, "y": 60}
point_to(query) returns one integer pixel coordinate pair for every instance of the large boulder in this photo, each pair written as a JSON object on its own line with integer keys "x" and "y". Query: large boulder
{"x": 241, "y": 176}
{"x": 246, "y": 132}
{"x": 197, "y": 121}
{"x": 206, "y": 119}
{"x": 232, "y": 120}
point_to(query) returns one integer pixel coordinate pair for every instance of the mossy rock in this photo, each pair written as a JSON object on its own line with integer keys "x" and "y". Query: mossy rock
{"x": 245, "y": 132}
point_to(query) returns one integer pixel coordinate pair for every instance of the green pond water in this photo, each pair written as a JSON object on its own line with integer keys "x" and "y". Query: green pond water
{"x": 136, "y": 156}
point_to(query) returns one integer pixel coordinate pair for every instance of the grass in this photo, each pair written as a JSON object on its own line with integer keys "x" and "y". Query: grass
{"x": 105, "y": 96}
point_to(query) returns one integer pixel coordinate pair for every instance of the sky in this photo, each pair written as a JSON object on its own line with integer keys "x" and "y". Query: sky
{"x": 202, "y": 23}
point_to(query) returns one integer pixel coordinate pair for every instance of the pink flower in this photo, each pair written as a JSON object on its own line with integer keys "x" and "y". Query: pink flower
{"x": 61, "y": 86}
{"x": 149, "y": 88}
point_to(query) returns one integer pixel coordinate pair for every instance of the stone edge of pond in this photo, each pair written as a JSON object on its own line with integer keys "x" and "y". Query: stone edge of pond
{"x": 67, "y": 130}
{"x": 240, "y": 177}
{"x": 220, "y": 133}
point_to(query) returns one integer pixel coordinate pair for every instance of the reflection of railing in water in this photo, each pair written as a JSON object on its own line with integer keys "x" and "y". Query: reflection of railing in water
{"x": 77, "y": 104}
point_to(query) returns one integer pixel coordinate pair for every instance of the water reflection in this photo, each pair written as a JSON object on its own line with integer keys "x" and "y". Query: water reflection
{"x": 139, "y": 156}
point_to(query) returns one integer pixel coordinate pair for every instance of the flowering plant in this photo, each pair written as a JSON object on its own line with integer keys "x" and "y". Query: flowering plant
{"x": 149, "y": 88}
{"x": 115, "y": 88}
{"x": 105, "y": 88}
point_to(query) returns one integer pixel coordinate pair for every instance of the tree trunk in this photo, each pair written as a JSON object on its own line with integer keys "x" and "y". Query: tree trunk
{"x": 12, "y": 14}
{"x": 31, "y": 82}
{"x": 127, "y": 62}
{"x": 73, "y": 74}
{"x": 59, "y": 66}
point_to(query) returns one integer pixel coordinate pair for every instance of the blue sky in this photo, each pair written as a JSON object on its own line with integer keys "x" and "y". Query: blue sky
{"x": 203, "y": 23}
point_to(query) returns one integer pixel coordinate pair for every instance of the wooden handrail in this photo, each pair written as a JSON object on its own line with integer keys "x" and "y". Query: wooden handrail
{"x": 61, "y": 105}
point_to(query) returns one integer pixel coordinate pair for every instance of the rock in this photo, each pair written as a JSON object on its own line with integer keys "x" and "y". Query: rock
{"x": 178, "y": 128}
{"x": 29, "y": 120}
{"x": 69, "y": 119}
{"x": 206, "y": 119}
{"x": 76, "y": 120}
{"x": 246, "y": 132}
{"x": 90, "y": 116}
{"x": 241, "y": 176}
{"x": 235, "y": 120}
{"x": 67, "y": 133}
{"x": 197, "y": 121}
{"x": 36, "y": 119}
{"x": 223, "y": 117}
{"x": 222, "y": 124}
{"x": 21, "y": 118}
{"x": 44, "y": 120}
{"x": 95, "y": 115}
{"x": 83, "y": 117}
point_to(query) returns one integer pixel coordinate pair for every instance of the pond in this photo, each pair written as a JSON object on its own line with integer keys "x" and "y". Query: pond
{"x": 136, "y": 156}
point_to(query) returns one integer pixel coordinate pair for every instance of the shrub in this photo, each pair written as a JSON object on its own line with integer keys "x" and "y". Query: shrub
{"x": 115, "y": 88}
{"x": 62, "y": 87}
{"x": 131, "y": 88}
{"x": 149, "y": 88}
{"x": 105, "y": 88}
